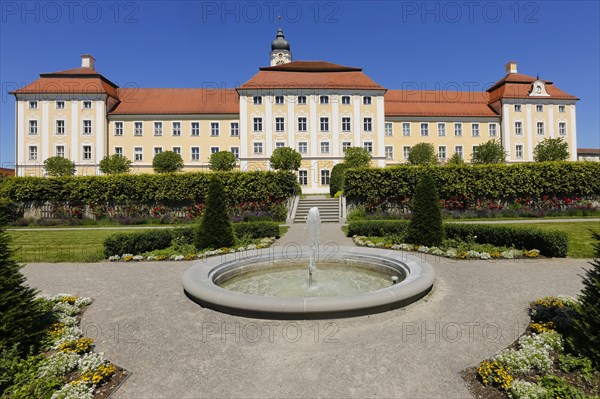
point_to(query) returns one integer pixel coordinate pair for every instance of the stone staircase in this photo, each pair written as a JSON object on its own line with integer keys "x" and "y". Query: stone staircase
{"x": 329, "y": 209}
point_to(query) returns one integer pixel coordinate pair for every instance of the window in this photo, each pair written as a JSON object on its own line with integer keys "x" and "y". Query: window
{"x": 176, "y": 127}
{"x": 214, "y": 150}
{"x": 325, "y": 124}
{"x": 539, "y": 108}
{"x": 176, "y": 150}
{"x": 562, "y": 128}
{"x": 138, "y": 154}
{"x": 158, "y": 128}
{"x": 119, "y": 151}
{"x": 214, "y": 129}
{"x": 303, "y": 177}
{"x": 324, "y": 99}
{"x": 195, "y": 128}
{"x": 540, "y": 128}
{"x": 138, "y": 129}
{"x": 345, "y": 146}
{"x": 388, "y": 129}
{"x": 424, "y": 129}
{"x": 519, "y": 151}
{"x": 458, "y": 150}
{"x": 258, "y": 148}
{"x": 302, "y": 124}
{"x": 279, "y": 100}
{"x": 441, "y": 129}
{"x": 406, "y": 129}
{"x": 345, "y": 100}
{"x": 118, "y": 128}
{"x": 405, "y": 152}
{"x": 517, "y": 107}
{"x": 257, "y": 125}
{"x": 257, "y": 100}
{"x": 458, "y": 129}
{"x": 368, "y": 124}
{"x": 234, "y": 128}
{"x": 368, "y": 145}
{"x": 279, "y": 144}
{"x": 561, "y": 108}
{"x": 518, "y": 128}
{"x": 60, "y": 105}
{"x": 442, "y": 152}
{"x": 474, "y": 150}
{"x": 60, "y": 127}
{"x": 303, "y": 147}
{"x": 280, "y": 124}
{"x": 324, "y": 147}
{"x": 195, "y": 153}
{"x": 301, "y": 100}
{"x": 33, "y": 153}
{"x": 475, "y": 129}
{"x": 367, "y": 100}
{"x": 235, "y": 151}
{"x": 33, "y": 127}
{"x": 33, "y": 105}
{"x": 87, "y": 105}
{"x": 492, "y": 128}
{"x": 324, "y": 177}
{"x": 87, "y": 152}
{"x": 87, "y": 126}
{"x": 389, "y": 152}
{"x": 60, "y": 151}
{"x": 157, "y": 150}
{"x": 346, "y": 124}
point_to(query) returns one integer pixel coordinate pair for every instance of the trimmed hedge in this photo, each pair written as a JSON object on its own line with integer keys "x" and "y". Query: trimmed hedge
{"x": 152, "y": 240}
{"x": 482, "y": 181}
{"x": 549, "y": 243}
{"x": 240, "y": 187}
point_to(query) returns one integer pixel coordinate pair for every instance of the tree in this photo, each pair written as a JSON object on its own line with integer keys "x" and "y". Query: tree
{"x": 336, "y": 182}
{"x": 23, "y": 318}
{"x": 214, "y": 230}
{"x": 114, "y": 164}
{"x": 455, "y": 160}
{"x": 422, "y": 154}
{"x": 587, "y": 318}
{"x": 222, "y": 161}
{"x": 59, "y": 166}
{"x": 167, "y": 162}
{"x": 357, "y": 157}
{"x": 490, "y": 152}
{"x": 425, "y": 227}
{"x": 285, "y": 158}
{"x": 551, "y": 150}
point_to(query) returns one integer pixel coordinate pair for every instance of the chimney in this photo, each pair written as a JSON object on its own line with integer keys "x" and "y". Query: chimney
{"x": 87, "y": 61}
{"x": 511, "y": 67}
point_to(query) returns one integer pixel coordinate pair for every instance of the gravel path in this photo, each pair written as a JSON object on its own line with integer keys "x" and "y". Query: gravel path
{"x": 143, "y": 321}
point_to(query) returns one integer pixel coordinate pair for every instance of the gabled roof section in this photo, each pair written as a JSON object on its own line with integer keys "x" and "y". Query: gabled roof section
{"x": 162, "y": 101}
{"x": 311, "y": 75}
{"x": 437, "y": 103}
{"x": 517, "y": 85}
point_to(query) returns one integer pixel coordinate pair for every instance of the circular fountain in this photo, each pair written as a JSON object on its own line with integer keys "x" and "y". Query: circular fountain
{"x": 314, "y": 281}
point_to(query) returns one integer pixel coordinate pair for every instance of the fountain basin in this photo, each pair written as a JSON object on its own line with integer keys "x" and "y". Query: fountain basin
{"x": 201, "y": 281}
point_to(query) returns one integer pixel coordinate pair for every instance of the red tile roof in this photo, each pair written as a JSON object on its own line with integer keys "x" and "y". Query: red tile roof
{"x": 7, "y": 172}
{"x": 516, "y": 85}
{"x": 136, "y": 101}
{"x": 590, "y": 151}
{"x": 310, "y": 75}
{"x": 437, "y": 103}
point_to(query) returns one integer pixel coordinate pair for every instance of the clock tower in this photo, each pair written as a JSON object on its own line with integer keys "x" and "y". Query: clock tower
{"x": 280, "y": 50}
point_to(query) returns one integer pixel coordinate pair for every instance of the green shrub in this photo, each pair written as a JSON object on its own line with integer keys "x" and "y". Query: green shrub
{"x": 377, "y": 228}
{"x": 551, "y": 150}
{"x": 569, "y": 363}
{"x": 425, "y": 227}
{"x": 59, "y": 166}
{"x": 214, "y": 230}
{"x": 455, "y": 159}
{"x": 558, "y": 387}
{"x": 381, "y": 185}
{"x": 222, "y": 161}
{"x": 488, "y": 153}
{"x": 137, "y": 243}
{"x": 167, "y": 162}
{"x": 114, "y": 164}
{"x": 285, "y": 158}
{"x": 422, "y": 154}
{"x": 357, "y": 157}
{"x": 256, "y": 229}
{"x": 336, "y": 181}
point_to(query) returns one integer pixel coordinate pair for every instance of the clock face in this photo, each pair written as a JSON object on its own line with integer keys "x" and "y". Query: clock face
{"x": 280, "y": 55}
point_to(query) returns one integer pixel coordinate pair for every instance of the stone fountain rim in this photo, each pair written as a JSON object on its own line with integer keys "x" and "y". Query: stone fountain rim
{"x": 198, "y": 283}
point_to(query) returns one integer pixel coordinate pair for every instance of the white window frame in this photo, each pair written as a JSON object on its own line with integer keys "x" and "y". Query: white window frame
{"x": 388, "y": 128}
{"x": 458, "y": 129}
{"x": 458, "y": 149}
{"x": 85, "y": 130}
{"x": 83, "y": 152}
{"x": 518, "y": 108}
{"x": 235, "y": 151}
{"x": 302, "y": 123}
{"x": 35, "y": 153}
{"x": 279, "y": 144}
{"x": 562, "y": 109}
{"x": 257, "y": 100}
{"x": 279, "y": 100}
{"x": 346, "y": 124}
{"x": 33, "y": 104}
{"x": 301, "y": 100}
{"x": 442, "y": 151}
{"x": 234, "y": 129}
{"x": 519, "y": 151}
{"x": 389, "y": 152}
{"x": 518, "y": 128}
{"x": 59, "y": 102}
{"x": 176, "y": 150}
{"x": 346, "y": 145}
{"x": 160, "y": 150}
{"x": 57, "y": 129}
{"x": 195, "y": 153}
{"x": 157, "y": 128}
{"x": 118, "y": 128}
{"x": 426, "y": 130}
{"x": 324, "y": 122}
{"x": 346, "y": 100}
{"x": 442, "y": 131}
{"x": 136, "y": 129}
{"x": 214, "y": 149}
{"x": 406, "y": 129}
{"x": 493, "y": 129}
{"x": 256, "y": 145}
{"x": 539, "y": 108}
{"x": 86, "y": 103}
{"x": 539, "y": 128}
{"x": 323, "y": 100}
{"x": 33, "y": 127}
{"x": 176, "y": 128}
{"x": 368, "y": 145}
{"x": 257, "y": 122}
{"x": 195, "y": 132}
{"x": 57, "y": 153}
{"x": 562, "y": 128}
{"x": 118, "y": 151}
{"x": 475, "y": 129}
{"x": 367, "y": 100}
{"x": 303, "y": 147}
{"x": 325, "y": 147}
{"x": 406, "y": 152}
{"x": 367, "y": 124}
{"x": 303, "y": 177}
{"x": 140, "y": 153}
{"x": 280, "y": 124}
{"x": 325, "y": 177}
{"x": 214, "y": 124}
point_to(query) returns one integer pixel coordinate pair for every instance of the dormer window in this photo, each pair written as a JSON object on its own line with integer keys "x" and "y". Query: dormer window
{"x": 538, "y": 89}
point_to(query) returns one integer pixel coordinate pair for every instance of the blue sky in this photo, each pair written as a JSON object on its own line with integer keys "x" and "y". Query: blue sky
{"x": 400, "y": 44}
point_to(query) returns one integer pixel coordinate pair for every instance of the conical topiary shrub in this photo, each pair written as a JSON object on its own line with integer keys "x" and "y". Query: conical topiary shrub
{"x": 425, "y": 226}
{"x": 215, "y": 229}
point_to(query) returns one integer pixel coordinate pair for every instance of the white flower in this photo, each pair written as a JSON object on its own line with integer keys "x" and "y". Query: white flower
{"x": 520, "y": 389}
{"x": 177, "y": 257}
{"x": 424, "y": 249}
{"x": 68, "y": 334}
{"x": 127, "y": 255}
{"x": 66, "y": 308}
{"x": 451, "y": 253}
{"x": 91, "y": 361}
{"x": 59, "y": 364}
{"x": 406, "y": 247}
{"x": 114, "y": 258}
{"x": 75, "y": 390}
{"x": 485, "y": 255}
{"x": 379, "y": 245}
{"x": 241, "y": 249}
{"x": 438, "y": 252}
{"x": 396, "y": 247}
{"x": 138, "y": 257}
{"x": 83, "y": 302}
{"x": 473, "y": 254}
{"x": 370, "y": 245}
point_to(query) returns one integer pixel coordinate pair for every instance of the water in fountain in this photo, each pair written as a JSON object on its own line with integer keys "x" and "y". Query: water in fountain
{"x": 313, "y": 222}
